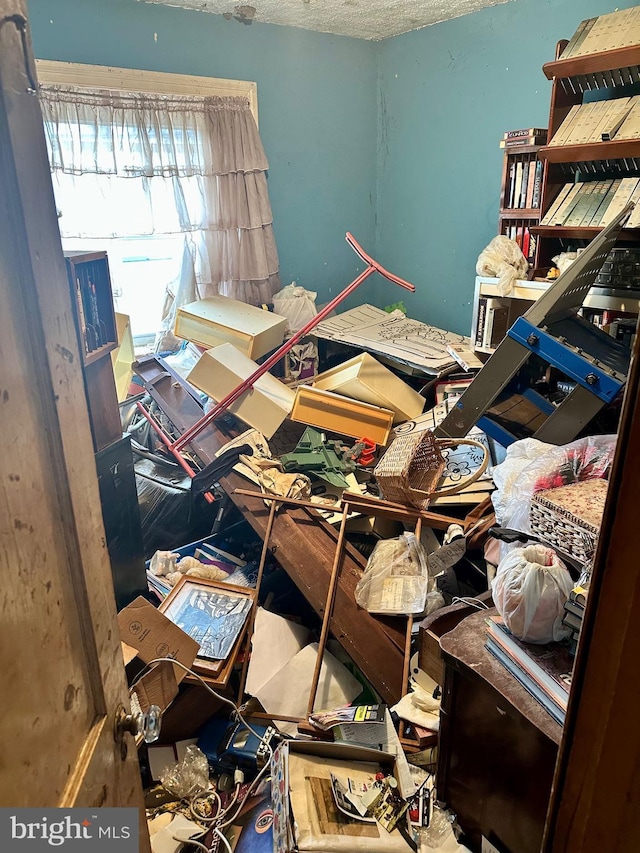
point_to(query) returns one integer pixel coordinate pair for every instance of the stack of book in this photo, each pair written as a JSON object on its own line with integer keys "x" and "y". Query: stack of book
{"x": 600, "y": 121}
{"x": 606, "y": 32}
{"x": 524, "y": 184}
{"x": 526, "y": 136}
{"x": 573, "y": 614}
{"x": 544, "y": 670}
{"x": 594, "y": 203}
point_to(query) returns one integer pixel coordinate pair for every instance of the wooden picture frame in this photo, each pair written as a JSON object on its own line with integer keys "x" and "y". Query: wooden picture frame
{"x": 191, "y": 595}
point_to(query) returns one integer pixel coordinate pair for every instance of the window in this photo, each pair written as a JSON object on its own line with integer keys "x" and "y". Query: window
{"x": 140, "y": 222}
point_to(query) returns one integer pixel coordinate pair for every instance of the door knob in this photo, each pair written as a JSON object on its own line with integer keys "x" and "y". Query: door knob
{"x": 136, "y": 723}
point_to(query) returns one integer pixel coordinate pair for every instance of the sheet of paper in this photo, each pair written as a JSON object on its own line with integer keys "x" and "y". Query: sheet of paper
{"x": 275, "y": 642}
{"x": 163, "y": 840}
{"x": 334, "y": 326}
{"x": 287, "y": 693}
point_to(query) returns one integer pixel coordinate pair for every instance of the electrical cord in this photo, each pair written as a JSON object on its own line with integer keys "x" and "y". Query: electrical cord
{"x": 470, "y": 601}
{"x": 238, "y": 715}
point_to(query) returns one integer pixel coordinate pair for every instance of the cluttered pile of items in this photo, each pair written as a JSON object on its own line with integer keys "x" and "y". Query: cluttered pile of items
{"x": 341, "y": 514}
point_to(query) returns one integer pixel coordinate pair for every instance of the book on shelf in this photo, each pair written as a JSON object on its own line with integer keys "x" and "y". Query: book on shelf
{"x": 480, "y": 319}
{"x": 537, "y": 185}
{"x": 555, "y": 204}
{"x": 578, "y": 37}
{"x": 511, "y": 185}
{"x": 606, "y": 32}
{"x": 528, "y": 200}
{"x": 523, "y": 185}
{"x": 561, "y": 134}
{"x": 623, "y": 195}
{"x": 521, "y": 141}
{"x": 630, "y": 127}
{"x": 613, "y": 120}
{"x": 496, "y": 322}
{"x": 527, "y": 131}
{"x": 544, "y": 669}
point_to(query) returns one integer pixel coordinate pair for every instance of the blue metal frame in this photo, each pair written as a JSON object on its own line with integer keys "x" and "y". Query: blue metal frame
{"x": 604, "y": 386}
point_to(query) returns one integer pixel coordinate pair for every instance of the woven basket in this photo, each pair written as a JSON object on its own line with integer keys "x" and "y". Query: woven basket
{"x": 410, "y": 470}
{"x": 568, "y": 518}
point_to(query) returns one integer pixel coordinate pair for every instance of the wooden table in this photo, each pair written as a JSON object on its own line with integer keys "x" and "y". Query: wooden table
{"x": 498, "y": 746}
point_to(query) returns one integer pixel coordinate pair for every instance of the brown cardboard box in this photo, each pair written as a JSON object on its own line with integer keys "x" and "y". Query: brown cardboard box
{"x": 147, "y": 634}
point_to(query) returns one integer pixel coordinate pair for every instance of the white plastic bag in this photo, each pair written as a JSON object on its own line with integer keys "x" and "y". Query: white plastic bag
{"x": 529, "y": 591}
{"x": 296, "y": 304}
{"x": 395, "y": 581}
{"x": 504, "y": 259}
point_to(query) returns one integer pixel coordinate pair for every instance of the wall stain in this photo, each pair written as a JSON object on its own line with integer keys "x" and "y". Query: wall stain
{"x": 5, "y": 395}
{"x": 14, "y": 478}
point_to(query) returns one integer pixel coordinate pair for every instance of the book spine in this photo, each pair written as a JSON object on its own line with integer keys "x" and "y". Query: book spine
{"x": 81, "y": 319}
{"x": 507, "y": 144}
{"x": 528, "y": 202}
{"x": 511, "y": 187}
{"x": 537, "y": 186}
{"x": 527, "y": 131}
{"x": 482, "y": 311}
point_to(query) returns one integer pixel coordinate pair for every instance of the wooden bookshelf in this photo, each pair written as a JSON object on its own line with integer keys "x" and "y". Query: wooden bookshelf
{"x": 520, "y": 172}
{"x": 92, "y": 301}
{"x": 572, "y": 78}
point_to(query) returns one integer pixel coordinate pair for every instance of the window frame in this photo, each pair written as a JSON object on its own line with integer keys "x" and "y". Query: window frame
{"x": 107, "y": 77}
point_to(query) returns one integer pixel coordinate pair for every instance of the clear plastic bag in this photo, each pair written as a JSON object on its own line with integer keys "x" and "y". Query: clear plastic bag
{"x": 190, "y": 776}
{"x": 529, "y": 591}
{"x": 296, "y": 304}
{"x": 395, "y": 580}
{"x": 532, "y": 466}
{"x": 504, "y": 259}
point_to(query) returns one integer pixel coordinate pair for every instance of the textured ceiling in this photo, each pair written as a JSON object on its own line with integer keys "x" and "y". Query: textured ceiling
{"x": 366, "y": 19}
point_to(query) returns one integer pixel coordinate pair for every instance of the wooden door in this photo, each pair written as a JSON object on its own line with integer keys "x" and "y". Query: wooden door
{"x": 62, "y": 668}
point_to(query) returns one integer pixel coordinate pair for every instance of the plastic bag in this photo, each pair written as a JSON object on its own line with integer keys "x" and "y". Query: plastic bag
{"x": 529, "y": 591}
{"x": 296, "y": 304}
{"x": 190, "y": 776}
{"x": 503, "y": 258}
{"x": 395, "y": 580}
{"x": 531, "y": 466}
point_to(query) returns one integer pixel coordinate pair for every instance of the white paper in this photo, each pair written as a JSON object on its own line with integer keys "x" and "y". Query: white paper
{"x": 393, "y": 334}
{"x": 287, "y": 693}
{"x": 275, "y": 641}
{"x": 163, "y": 841}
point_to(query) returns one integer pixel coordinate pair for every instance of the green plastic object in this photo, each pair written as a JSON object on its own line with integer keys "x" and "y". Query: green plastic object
{"x": 328, "y": 460}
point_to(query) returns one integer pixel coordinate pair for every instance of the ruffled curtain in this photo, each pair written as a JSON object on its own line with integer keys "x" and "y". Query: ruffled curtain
{"x": 168, "y": 165}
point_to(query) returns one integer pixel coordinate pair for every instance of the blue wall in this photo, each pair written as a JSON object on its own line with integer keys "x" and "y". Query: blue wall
{"x": 446, "y": 95}
{"x": 316, "y": 103}
{"x": 395, "y": 141}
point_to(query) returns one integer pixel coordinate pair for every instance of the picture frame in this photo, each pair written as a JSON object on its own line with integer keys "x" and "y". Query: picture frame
{"x": 217, "y": 616}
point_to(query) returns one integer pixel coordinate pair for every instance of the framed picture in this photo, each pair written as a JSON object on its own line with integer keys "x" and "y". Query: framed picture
{"x": 215, "y": 615}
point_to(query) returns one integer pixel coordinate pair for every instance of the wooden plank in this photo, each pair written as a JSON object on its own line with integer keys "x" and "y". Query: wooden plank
{"x": 304, "y": 546}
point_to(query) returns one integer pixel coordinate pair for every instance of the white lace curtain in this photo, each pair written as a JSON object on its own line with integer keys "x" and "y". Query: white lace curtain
{"x": 167, "y": 165}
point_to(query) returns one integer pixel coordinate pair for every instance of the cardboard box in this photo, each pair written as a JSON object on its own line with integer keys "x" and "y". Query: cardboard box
{"x": 365, "y": 379}
{"x": 218, "y": 320}
{"x": 147, "y": 634}
{"x": 293, "y": 833}
{"x": 334, "y": 413}
{"x": 264, "y": 407}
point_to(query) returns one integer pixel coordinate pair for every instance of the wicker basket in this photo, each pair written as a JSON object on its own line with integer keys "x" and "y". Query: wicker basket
{"x": 410, "y": 470}
{"x": 568, "y": 518}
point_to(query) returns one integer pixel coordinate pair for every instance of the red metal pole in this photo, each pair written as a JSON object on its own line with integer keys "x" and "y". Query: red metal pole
{"x": 223, "y": 405}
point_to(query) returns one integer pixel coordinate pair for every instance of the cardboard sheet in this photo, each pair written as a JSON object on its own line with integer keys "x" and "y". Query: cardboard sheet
{"x": 274, "y": 643}
{"x": 287, "y": 693}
